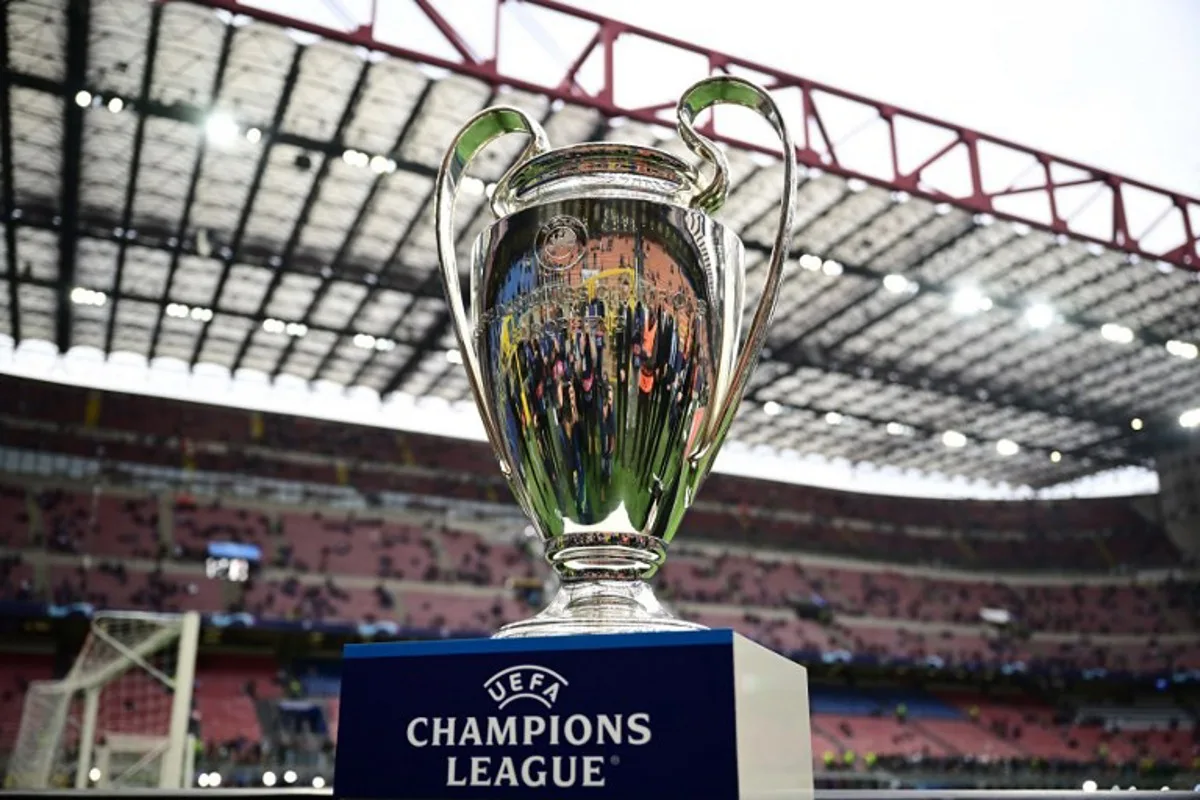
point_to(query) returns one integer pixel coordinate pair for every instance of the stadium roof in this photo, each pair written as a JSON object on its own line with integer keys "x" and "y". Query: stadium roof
{"x": 211, "y": 185}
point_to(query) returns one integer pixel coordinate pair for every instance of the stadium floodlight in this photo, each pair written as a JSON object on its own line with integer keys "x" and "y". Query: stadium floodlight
{"x": 810, "y": 262}
{"x": 1136, "y": 423}
{"x": 1190, "y": 418}
{"x": 969, "y": 300}
{"x": 1007, "y": 447}
{"x": 1184, "y": 350}
{"x": 898, "y": 284}
{"x": 772, "y": 409}
{"x": 273, "y": 325}
{"x": 1116, "y": 333}
{"x": 833, "y": 418}
{"x": 253, "y": 135}
{"x": 1040, "y": 316}
{"x": 82, "y": 296}
{"x": 289, "y": 777}
{"x": 364, "y": 340}
{"x": 954, "y": 439}
{"x": 115, "y": 105}
{"x": 220, "y": 128}
{"x": 83, "y": 98}
{"x": 832, "y": 268}
{"x": 269, "y": 779}
{"x": 1055, "y": 456}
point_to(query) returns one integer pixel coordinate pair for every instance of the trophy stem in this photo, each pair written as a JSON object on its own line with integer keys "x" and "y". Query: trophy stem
{"x": 602, "y": 588}
{"x": 605, "y": 606}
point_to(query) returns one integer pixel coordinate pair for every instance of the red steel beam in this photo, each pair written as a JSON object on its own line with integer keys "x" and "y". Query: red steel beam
{"x": 1180, "y": 249}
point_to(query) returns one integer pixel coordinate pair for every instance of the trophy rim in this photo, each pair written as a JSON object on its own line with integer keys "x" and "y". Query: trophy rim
{"x": 651, "y": 173}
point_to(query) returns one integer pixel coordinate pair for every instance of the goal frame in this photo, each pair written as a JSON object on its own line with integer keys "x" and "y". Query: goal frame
{"x": 180, "y": 631}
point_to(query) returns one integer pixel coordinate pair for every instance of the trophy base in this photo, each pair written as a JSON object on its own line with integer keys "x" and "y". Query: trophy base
{"x": 604, "y": 606}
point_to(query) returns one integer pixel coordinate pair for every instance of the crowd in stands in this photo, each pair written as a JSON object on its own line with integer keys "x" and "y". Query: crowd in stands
{"x": 1071, "y": 535}
{"x": 121, "y": 548}
{"x": 818, "y": 593}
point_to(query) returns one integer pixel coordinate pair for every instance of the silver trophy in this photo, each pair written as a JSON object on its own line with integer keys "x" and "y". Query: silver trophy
{"x": 603, "y": 344}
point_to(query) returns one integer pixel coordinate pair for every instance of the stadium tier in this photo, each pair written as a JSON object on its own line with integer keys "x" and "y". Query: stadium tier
{"x": 1096, "y": 535}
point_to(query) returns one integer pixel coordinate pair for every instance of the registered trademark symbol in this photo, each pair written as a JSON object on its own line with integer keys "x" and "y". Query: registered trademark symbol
{"x": 614, "y": 760}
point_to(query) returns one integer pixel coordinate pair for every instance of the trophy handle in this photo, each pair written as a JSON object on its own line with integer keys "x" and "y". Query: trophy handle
{"x": 736, "y": 91}
{"x": 480, "y": 131}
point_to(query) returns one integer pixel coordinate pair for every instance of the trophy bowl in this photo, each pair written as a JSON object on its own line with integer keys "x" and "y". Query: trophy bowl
{"x": 603, "y": 344}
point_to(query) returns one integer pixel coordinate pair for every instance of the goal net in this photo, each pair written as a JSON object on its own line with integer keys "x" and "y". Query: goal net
{"x": 119, "y": 718}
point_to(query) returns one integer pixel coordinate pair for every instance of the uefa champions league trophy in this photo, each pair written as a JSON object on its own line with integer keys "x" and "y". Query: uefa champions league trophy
{"x": 603, "y": 344}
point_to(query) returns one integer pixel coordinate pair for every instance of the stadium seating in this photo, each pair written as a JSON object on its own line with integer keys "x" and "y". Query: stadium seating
{"x": 818, "y": 594}
{"x": 1095, "y": 535}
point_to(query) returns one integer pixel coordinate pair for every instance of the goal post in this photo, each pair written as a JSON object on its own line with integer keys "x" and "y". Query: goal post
{"x": 119, "y": 718}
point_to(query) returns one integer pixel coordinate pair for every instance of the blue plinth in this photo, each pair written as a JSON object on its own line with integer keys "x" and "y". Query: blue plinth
{"x": 691, "y": 714}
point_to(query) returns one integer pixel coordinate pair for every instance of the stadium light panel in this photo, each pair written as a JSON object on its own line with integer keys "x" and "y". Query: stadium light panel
{"x": 832, "y": 268}
{"x": 969, "y": 300}
{"x": 1007, "y": 447}
{"x": 82, "y": 296}
{"x": 954, "y": 439}
{"x": 810, "y": 262}
{"x": 1184, "y": 350}
{"x": 220, "y": 128}
{"x": 1039, "y": 316}
{"x": 1116, "y": 333}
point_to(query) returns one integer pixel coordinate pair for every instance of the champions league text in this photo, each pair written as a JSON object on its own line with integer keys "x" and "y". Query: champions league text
{"x": 534, "y": 771}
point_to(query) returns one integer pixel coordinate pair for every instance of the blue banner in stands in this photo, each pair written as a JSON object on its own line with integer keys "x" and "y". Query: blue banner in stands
{"x": 616, "y": 716}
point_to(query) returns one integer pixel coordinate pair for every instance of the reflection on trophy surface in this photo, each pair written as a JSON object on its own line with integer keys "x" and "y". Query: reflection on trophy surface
{"x": 603, "y": 346}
